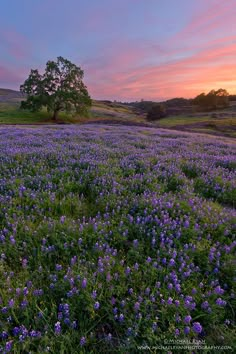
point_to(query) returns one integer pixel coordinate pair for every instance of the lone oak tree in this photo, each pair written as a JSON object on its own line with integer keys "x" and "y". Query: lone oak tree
{"x": 60, "y": 88}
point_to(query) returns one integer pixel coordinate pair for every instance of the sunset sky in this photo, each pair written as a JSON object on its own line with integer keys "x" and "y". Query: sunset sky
{"x": 128, "y": 49}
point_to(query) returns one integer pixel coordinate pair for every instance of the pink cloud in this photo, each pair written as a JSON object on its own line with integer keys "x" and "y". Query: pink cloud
{"x": 187, "y": 76}
{"x": 14, "y": 44}
{"x": 213, "y": 16}
{"x": 190, "y": 62}
{"x": 11, "y": 76}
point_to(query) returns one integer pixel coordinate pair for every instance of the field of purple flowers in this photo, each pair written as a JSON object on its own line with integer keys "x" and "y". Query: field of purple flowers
{"x": 115, "y": 237}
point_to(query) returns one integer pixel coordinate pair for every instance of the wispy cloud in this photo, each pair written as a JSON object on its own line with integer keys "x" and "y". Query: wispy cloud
{"x": 185, "y": 76}
{"x": 189, "y": 63}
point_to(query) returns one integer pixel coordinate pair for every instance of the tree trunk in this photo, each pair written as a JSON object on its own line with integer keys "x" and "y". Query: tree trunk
{"x": 55, "y": 115}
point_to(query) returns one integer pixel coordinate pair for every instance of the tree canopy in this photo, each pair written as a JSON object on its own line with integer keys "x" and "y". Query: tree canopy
{"x": 213, "y": 100}
{"x": 156, "y": 112}
{"x": 60, "y": 88}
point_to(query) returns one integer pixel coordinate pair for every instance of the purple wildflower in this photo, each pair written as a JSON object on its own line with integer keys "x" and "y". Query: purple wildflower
{"x": 197, "y": 328}
{"x": 96, "y": 305}
{"x": 57, "y": 328}
{"x": 82, "y": 341}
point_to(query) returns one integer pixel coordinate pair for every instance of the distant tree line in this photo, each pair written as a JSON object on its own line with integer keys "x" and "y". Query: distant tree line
{"x": 215, "y": 99}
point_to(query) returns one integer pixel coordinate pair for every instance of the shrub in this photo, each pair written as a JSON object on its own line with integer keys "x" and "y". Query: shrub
{"x": 156, "y": 112}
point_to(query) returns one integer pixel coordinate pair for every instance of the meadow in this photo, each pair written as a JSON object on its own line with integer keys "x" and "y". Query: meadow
{"x": 105, "y": 112}
{"x": 115, "y": 237}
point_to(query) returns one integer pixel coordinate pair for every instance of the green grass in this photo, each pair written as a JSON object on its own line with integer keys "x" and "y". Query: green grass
{"x": 180, "y": 120}
{"x": 223, "y": 126}
{"x": 12, "y": 114}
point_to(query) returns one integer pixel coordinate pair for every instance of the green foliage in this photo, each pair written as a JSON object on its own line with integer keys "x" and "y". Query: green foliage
{"x": 177, "y": 102}
{"x": 213, "y": 100}
{"x": 60, "y": 88}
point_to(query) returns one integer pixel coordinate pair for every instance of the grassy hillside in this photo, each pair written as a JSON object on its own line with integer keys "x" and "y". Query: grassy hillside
{"x": 10, "y": 113}
{"x": 218, "y": 123}
{"x": 10, "y": 96}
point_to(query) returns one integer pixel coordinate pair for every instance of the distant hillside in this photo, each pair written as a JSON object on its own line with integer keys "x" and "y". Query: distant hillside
{"x": 7, "y": 95}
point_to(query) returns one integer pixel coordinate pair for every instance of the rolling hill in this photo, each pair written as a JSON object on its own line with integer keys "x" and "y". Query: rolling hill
{"x": 108, "y": 112}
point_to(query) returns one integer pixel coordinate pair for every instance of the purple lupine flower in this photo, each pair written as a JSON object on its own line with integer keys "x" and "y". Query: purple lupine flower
{"x": 84, "y": 283}
{"x": 109, "y": 337}
{"x": 197, "y": 328}
{"x": 74, "y": 325}
{"x": 12, "y": 240}
{"x": 177, "y": 303}
{"x": 24, "y": 262}
{"x": 136, "y": 266}
{"x": 187, "y": 330}
{"x": 67, "y": 321}
{"x": 57, "y": 328}
{"x": 113, "y": 300}
{"x": 177, "y": 288}
{"x": 4, "y": 335}
{"x": 66, "y": 309}
{"x": 121, "y": 317}
{"x": 4, "y": 309}
{"x": 16, "y": 331}
{"x": 130, "y": 291}
{"x": 152, "y": 298}
{"x": 8, "y": 346}
{"x": 218, "y": 290}
{"x": 73, "y": 260}
{"x": 205, "y": 305}
{"x": 127, "y": 271}
{"x": 177, "y": 332}
{"x": 177, "y": 318}
{"x": 108, "y": 277}
{"x": 40, "y": 314}
{"x": 94, "y": 294}
{"x": 158, "y": 285}
{"x": 62, "y": 219}
{"x": 96, "y": 305}
{"x": 186, "y": 224}
{"x": 154, "y": 326}
{"x": 60, "y": 316}
{"x": 220, "y": 302}
{"x": 58, "y": 267}
{"x": 18, "y": 291}
{"x": 25, "y": 291}
{"x": 136, "y": 306}
{"x": 29, "y": 284}
{"x": 11, "y": 303}
{"x": 33, "y": 333}
{"x": 122, "y": 304}
{"x": 82, "y": 341}
{"x": 187, "y": 319}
